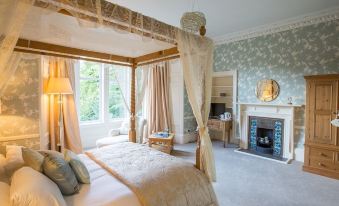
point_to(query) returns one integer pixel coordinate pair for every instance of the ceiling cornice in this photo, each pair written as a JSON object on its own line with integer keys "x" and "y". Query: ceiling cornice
{"x": 288, "y": 24}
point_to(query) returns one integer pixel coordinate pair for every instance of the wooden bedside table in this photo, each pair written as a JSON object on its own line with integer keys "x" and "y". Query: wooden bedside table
{"x": 163, "y": 144}
{"x": 224, "y": 126}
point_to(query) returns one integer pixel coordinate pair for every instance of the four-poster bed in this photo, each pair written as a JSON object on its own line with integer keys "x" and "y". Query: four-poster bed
{"x": 92, "y": 14}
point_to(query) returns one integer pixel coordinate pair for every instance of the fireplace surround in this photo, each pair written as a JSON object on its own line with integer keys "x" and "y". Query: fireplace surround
{"x": 265, "y": 135}
{"x": 283, "y": 120}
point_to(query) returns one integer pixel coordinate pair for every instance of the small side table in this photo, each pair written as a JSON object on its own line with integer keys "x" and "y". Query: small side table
{"x": 224, "y": 126}
{"x": 163, "y": 144}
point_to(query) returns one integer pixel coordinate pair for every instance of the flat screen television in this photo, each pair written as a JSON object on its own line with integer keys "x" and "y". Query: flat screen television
{"x": 217, "y": 109}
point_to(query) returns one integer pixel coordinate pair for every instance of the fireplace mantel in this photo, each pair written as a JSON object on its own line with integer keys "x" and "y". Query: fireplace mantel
{"x": 280, "y": 111}
{"x": 269, "y": 104}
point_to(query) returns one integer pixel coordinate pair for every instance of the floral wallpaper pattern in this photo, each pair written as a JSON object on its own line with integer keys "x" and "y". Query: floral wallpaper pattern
{"x": 285, "y": 57}
{"x": 20, "y": 105}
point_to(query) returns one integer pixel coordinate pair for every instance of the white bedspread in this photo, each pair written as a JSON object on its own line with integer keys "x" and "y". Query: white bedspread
{"x": 156, "y": 178}
{"x": 104, "y": 189}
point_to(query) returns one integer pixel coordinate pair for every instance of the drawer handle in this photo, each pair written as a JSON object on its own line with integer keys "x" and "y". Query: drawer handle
{"x": 322, "y": 154}
{"x": 321, "y": 164}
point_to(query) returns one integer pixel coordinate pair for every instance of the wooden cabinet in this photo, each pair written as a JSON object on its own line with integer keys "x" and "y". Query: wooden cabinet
{"x": 322, "y": 138}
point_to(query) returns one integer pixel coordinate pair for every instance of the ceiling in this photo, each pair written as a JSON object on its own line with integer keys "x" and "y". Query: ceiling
{"x": 228, "y": 16}
{"x": 59, "y": 29}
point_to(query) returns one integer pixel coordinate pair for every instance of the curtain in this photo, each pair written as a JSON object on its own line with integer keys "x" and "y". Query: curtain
{"x": 12, "y": 18}
{"x": 141, "y": 85}
{"x": 61, "y": 67}
{"x": 158, "y": 112}
{"x": 196, "y": 55}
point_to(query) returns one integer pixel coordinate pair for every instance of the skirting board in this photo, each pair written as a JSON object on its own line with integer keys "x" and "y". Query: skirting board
{"x": 261, "y": 157}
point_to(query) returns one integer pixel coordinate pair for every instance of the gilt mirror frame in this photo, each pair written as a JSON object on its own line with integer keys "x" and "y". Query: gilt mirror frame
{"x": 267, "y": 90}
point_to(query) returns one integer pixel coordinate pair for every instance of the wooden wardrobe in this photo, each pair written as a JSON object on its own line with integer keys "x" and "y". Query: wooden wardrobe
{"x": 321, "y": 137}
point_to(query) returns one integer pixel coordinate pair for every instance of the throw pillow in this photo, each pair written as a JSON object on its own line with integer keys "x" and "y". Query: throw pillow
{"x": 58, "y": 170}
{"x": 124, "y": 129}
{"x": 78, "y": 167}
{"x": 31, "y": 188}
{"x": 14, "y": 159}
{"x": 33, "y": 158}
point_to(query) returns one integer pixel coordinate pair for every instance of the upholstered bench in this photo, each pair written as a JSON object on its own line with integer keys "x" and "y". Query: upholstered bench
{"x": 121, "y": 134}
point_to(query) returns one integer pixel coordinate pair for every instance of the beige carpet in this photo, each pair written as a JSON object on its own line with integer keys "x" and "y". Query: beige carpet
{"x": 243, "y": 180}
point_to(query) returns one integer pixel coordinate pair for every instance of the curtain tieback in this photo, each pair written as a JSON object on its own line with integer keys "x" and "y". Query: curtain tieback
{"x": 202, "y": 130}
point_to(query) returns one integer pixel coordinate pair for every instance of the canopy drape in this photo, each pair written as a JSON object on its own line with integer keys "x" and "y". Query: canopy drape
{"x": 196, "y": 55}
{"x": 12, "y": 18}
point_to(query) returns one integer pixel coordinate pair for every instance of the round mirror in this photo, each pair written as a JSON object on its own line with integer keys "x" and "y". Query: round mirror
{"x": 267, "y": 90}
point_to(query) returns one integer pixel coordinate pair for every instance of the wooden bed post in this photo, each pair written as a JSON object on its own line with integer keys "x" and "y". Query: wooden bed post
{"x": 202, "y": 32}
{"x": 132, "y": 133}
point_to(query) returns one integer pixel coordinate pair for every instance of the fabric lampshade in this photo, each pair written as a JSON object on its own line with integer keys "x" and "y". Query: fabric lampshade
{"x": 59, "y": 86}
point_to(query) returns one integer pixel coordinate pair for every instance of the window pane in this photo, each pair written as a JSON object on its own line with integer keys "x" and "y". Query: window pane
{"x": 89, "y": 100}
{"x": 117, "y": 77}
{"x": 89, "y": 69}
{"x": 116, "y": 105}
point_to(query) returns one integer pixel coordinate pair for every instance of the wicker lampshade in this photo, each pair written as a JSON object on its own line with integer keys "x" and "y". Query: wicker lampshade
{"x": 192, "y": 21}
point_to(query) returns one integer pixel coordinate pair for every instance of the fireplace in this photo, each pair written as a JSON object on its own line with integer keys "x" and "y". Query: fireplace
{"x": 265, "y": 136}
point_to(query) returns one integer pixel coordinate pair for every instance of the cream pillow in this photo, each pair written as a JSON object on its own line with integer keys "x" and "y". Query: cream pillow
{"x": 4, "y": 194}
{"x": 124, "y": 129}
{"x": 32, "y": 188}
{"x": 14, "y": 159}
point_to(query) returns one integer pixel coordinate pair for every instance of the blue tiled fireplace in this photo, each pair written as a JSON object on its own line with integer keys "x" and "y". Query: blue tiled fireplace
{"x": 266, "y": 136}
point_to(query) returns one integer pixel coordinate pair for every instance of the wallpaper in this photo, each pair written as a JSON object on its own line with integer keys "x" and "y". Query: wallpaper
{"x": 285, "y": 57}
{"x": 20, "y": 105}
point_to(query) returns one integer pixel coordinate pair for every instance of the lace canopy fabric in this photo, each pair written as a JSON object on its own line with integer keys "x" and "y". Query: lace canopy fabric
{"x": 196, "y": 55}
{"x": 103, "y": 13}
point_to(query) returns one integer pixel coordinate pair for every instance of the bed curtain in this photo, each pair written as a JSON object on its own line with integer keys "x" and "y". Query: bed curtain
{"x": 196, "y": 55}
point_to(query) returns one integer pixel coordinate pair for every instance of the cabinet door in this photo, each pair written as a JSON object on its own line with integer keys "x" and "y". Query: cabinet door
{"x": 322, "y": 100}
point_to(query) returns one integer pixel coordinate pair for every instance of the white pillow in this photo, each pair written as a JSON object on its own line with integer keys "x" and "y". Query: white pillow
{"x": 124, "y": 129}
{"x": 32, "y": 188}
{"x": 3, "y": 175}
{"x": 4, "y": 194}
{"x": 14, "y": 159}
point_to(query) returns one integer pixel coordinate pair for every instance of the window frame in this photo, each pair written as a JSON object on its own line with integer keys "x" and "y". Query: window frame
{"x": 104, "y": 82}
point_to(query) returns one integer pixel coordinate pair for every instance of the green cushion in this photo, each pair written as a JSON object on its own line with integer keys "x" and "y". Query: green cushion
{"x": 58, "y": 170}
{"x": 78, "y": 167}
{"x": 33, "y": 159}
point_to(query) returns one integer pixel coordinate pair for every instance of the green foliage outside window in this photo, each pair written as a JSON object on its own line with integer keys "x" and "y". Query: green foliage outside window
{"x": 116, "y": 105}
{"x": 91, "y": 88}
{"x": 89, "y": 91}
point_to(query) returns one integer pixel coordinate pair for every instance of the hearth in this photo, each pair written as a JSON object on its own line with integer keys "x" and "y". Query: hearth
{"x": 265, "y": 136}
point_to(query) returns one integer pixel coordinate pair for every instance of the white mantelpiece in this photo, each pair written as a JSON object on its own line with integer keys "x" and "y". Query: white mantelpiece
{"x": 280, "y": 111}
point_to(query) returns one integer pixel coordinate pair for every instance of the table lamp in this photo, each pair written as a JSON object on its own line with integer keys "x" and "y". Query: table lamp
{"x": 59, "y": 86}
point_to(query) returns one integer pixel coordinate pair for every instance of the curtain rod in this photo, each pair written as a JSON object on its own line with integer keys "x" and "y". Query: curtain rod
{"x": 159, "y": 60}
{"x": 55, "y": 54}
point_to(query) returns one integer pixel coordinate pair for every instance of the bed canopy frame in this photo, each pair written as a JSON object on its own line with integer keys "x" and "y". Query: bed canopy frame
{"x": 115, "y": 16}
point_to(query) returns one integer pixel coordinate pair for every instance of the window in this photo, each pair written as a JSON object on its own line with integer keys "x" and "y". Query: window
{"x": 118, "y": 77}
{"x": 100, "y": 88}
{"x": 90, "y": 91}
